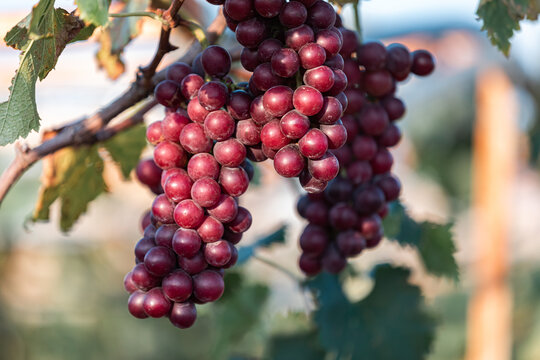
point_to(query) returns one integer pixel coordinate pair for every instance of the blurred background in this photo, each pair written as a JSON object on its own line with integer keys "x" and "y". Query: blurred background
{"x": 469, "y": 155}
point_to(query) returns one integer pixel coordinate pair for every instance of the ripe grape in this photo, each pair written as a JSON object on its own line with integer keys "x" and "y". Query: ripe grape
{"x": 208, "y": 286}
{"x": 178, "y": 71}
{"x": 156, "y": 304}
{"x": 230, "y": 153}
{"x": 277, "y": 101}
{"x": 288, "y": 161}
{"x": 168, "y": 94}
{"x": 203, "y": 165}
{"x": 186, "y": 242}
{"x": 213, "y": 95}
{"x": 293, "y": 14}
{"x": 216, "y": 61}
{"x": 423, "y": 62}
{"x": 183, "y": 314}
{"x": 307, "y": 100}
{"x": 210, "y": 230}
{"x": 219, "y": 125}
{"x": 188, "y": 214}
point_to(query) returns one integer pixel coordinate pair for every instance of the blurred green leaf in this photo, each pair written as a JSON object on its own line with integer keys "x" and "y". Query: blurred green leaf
{"x": 75, "y": 177}
{"x": 94, "y": 11}
{"x": 238, "y": 310}
{"x": 393, "y": 313}
{"x": 437, "y": 248}
{"x": 116, "y": 36}
{"x": 84, "y": 34}
{"x": 433, "y": 241}
{"x": 17, "y": 37}
{"x": 126, "y": 148}
{"x": 246, "y": 252}
{"x": 297, "y": 346}
{"x": 42, "y": 37}
{"x": 501, "y": 18}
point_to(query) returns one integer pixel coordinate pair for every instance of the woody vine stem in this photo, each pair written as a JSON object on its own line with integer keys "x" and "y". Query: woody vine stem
{"x": 95, "y": 128}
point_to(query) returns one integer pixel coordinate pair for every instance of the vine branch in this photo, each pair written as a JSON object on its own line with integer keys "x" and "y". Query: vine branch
{"x": 94, "y": 128}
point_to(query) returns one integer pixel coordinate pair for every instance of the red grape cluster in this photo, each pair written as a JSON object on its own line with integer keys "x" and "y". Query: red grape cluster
{"x": 198, "y": 171}
{"x": 294, "y": 50}
{"x": 346, "y": 218}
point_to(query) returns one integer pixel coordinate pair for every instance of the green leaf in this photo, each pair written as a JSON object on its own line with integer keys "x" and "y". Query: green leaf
{"x": 94, "y": 11}
{"x": 238, "y": 310}
{"x": 277, "y": 237}
{"x": 75, "y": 177}
{"x": 502, "y": 17}
{"x": 499, "y": 23}
{"x": 298, "y": 346}
{"x": 390, "y": 323}
{"x": 84, "y": 34}
{"x": 17, "y": 37}
{"x": 436, "y": 249}
{"x": 41, "y": 36}
{"x": 126, "y": 148}
{"x": 116, "y": 36}
{"x": 123, "y": 30}
{"x": 433, "y": 241}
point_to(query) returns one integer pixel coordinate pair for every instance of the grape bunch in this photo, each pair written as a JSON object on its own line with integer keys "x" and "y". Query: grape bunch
{"x": 198, "y": 171}
{"x": 318, "y": 103}
{"x": 347, "y": 217}
{"x": 294, "y": 51}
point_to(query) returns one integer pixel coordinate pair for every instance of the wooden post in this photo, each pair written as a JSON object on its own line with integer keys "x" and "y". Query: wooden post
{"x": 495, "y": 155}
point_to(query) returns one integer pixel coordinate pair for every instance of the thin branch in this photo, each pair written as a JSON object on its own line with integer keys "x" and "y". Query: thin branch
{"x": 164, "y": 46}
{"x": 84, "y": 131}
{"x": 149, "y": 14}
{"x": 357, "y": 20}
{"x": 170, "y": 15}
{"x": 137, "y": 118}
{"x": 279, "y": 267}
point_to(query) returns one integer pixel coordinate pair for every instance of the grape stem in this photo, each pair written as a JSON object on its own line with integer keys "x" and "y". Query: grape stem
{"x": 197, "y": 31}
{"x": 357, "y": 20}
{"x": 85, "y": 131}
{"x": 140, "y": 14}
{"x": 301, "y": 285}
{"x": 279, "y": 267}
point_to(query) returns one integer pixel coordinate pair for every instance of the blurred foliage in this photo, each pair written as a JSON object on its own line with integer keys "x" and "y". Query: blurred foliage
{"x": 441, "y": 128}
{"x": 116, "y": 36}
{"x": 74, "y": 176}
{"x": 433, "y": 241}
{"x": 87, "y": 318}
{"x": 126, "y": 148}
{"x": 246, "y": 252}
{"x": 95, "y": 12}
{"x": 393, "y": 313}
{"x": 501, "y": 19}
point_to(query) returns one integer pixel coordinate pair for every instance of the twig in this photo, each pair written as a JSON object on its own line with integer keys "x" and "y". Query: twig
{"x": 137, "y": 118}
{"x": 170, "y": 15}
{"x": 149, "y": 14}
{"x": 298, "y": 281}
{"x": 81, "y": 131}
{"x": 357, "y": 20}
{"x": 164, "y": 46}
{"x": 277, "y": 266}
